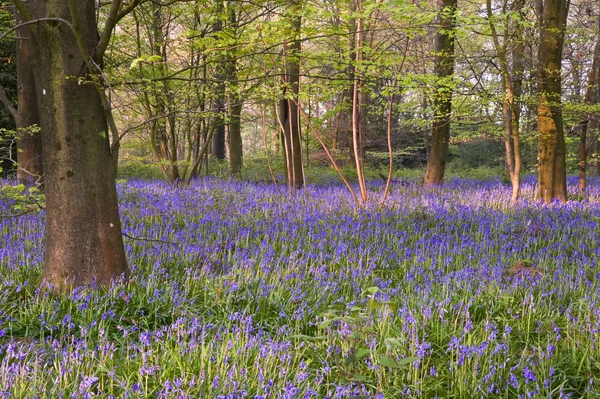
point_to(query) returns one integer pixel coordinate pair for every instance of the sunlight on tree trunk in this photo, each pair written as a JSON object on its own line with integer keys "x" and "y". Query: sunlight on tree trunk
{"x": 444, "y": 70}
{"x": 551, "y": 160}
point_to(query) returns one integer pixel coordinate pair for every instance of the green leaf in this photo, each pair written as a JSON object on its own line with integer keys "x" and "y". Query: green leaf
{"x": 362, "y": 353}
{"x": 391, "y": 363}
{"x": 388, "y": 362}
{"x": 393, "y": 341}
{"x": 303, "y": 337}
{"x": 360, "y": 377}
{"x": 373, "y": 290}
{"x": 407, "y": 360}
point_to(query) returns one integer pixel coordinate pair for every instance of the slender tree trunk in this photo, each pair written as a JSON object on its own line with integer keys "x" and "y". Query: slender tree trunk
{"x": 444, "y": 69}
{"x": 590, "y": 99}
{"x": 597, "y": 124}
{"x": 512, "y": 82}
{"x": 235, "y": 135}
{"x": 84, "y": 245}
{"x": 235, "y": 104}
{"x": 282, "y": 111}
{"x": 517, "y": 91}
{"x": 348, "y": 95}
{"x": 29, "y": 146}
{"x": 218, "y": 149}
{"x": 289, "y": 112}
{"x": 163, "y": 139}
{"x": 358, "y": 120}
{"x": 551, "y": 159}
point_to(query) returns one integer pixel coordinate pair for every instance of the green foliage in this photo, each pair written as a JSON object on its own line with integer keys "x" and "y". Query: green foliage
{"x": 23, "y": 199}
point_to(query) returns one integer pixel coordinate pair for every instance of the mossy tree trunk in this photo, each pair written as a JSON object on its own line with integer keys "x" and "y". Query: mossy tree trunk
{"x": 84, "y": 244}
{"x": 29, "y": 153}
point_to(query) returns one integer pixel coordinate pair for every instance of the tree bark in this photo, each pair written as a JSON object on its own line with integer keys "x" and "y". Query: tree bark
{"x": 590, "y": 99}
{"x": 235, "y": 104}
{"x": 444, "y": 69}
{"x": 235, "y": 136}
{"x": 517, "y": 90}
{"x": 512, "y": 82}
{"x": 29, "y": 145}
{"x": 218, "y": 149}
{"x": 551, "y": 141}
{"x": 289, "y": 113}
{"x": 84, "y": 245}
{"x": 358, "y": 110}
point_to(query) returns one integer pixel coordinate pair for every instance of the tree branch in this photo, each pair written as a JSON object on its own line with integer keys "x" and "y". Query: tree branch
{"x": 109, "y": 25}
{"x": 36, "y": 21}
{"x": 150, "y": 239}
{"x": 6, "y": 101}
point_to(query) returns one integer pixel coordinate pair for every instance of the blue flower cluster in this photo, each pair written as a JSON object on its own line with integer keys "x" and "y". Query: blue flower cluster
{"x": 240, "y": 292}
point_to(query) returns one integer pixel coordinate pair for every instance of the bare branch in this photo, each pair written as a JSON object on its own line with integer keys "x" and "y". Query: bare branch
{"x": 150, "y": 239}
{"x": 36, "y": 21}
{"x": 7, "y": 103}
{"x": 109, "y": 25}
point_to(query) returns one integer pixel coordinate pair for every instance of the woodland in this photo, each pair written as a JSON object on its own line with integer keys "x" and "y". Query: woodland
{"x": 299, "y": 199}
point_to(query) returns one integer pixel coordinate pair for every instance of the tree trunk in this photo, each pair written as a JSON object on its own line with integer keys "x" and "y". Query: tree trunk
{"x": 517, "y": 91}
{"x": 235, "y": 136}
{"x": 444, "y": 69}
{"x": 348, "y": 94}
{"x": 590, "y": 99}
{"x": 512, "y": 82}
{"x": 597, "y": 124}
{"x": 218, "y": 149}
{"x": 29, "y": 146}
{"x": 235, "y": 104}
{"x": 84, "y": 245}
{"x": 358, "y": 111}
{"x": 551, "y": 159}
{"x": 289, "y": 111}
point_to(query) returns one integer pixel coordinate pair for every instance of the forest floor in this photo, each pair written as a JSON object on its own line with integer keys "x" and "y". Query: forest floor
{"x": 238, "y": 291}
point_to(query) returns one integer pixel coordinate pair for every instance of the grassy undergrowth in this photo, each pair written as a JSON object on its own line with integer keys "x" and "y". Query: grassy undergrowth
{"x": 448, "y": 293}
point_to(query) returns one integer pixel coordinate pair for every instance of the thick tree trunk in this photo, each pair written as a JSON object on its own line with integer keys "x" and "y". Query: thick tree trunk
{"x": 444, "y": 68}
{"x": 29, "y": 153}
{"x": 551, "y": 159}
{"x": 84, "y": 245}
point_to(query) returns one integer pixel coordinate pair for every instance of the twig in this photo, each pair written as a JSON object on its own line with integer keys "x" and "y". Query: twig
{"x": 16, "y": 215}
{"x": 150, "y": 239}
